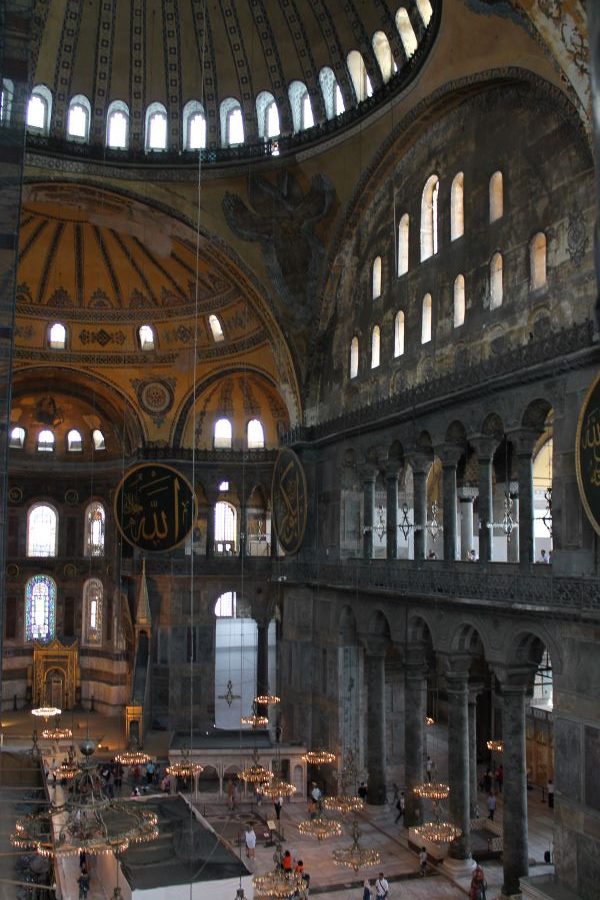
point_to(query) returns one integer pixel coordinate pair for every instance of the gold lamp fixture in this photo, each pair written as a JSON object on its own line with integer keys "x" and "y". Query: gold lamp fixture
{"x": 185, "y": 767}
{"x": 320, "y": 828}
{"x": 56, "y": 733}
{"x": 256, "y": 773}
{"x": 277, "y": 787}
{"x": 495, "y": 746}
{"x": 432, "y": 790}
{"x": 344, "y": 804}
{"x": 132, "y": 757}
{"x": 267, "y": 700}
{"x": 438, "y": 832}
{"x": 277, "y": 882}
{"x": 318, "y": 757}
{"x": 356, "y": 857}
{"x": 255, "y": 719}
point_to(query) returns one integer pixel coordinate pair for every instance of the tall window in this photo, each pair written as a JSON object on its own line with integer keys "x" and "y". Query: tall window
{"x": 17, "y": 438}
{"x": 57, "y": 336}
{"x": 358, "y": 74}
{"x": 399, "y": 334}
{"x": 146, "y": 337}
{"x": 403, "y": 230}
{"x": 98, "y": 439}
{"x": 42, "y": 530}
{"x": 496, "y": 286}
{"x": 255, "y": 435}
{"x": 225, "y": 527}
{"x": 496, "y": 196}
{"x": 459, "y": 300}
{"x": 223, "y": 434}
{"x": 117, "y": 125}
{"x": 156, "y": 127}
{"x": 406, "y": 32}
{"x": 537, "y": 261}
{"x": 95, "y": 520}
{"x": 457, "y": 207}
{"x": 45, "y": 441}
{"x": 74, "y": 441}
{"x": 302, "y": 114}
{"x": 354, "y": 357}
{"x": 429, "y": 215}
{"x": 40, "y": 608}
{"x": 383, "y": 54}
{"x": 232, "y": 122}
{"x": 376, "y": 278}
{"x": 332, "y": 95}
{"x": 92, "y": 611}
{"x": 375, "y": 346}
{"x": 39, "y": 109}
{"x": 78, "y": 119}
{"x": 194, "y": 126}
{"x": 308, "y": 119}
{"x": 426, "y": 320}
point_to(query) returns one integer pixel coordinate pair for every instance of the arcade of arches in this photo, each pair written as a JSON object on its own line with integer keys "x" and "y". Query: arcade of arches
{"x": 389, "y": 270}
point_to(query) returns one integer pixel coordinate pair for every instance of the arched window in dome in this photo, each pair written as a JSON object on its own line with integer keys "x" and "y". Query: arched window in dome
{"x": 406, "y": 32}
{"x": 429, "y": 218}
{"x": 45, "y": 441}
{"x": 194, "y": 126}
{"x": 216, "y": 329}
{"x": 496, "y": 281}
{"x": 6, "y": 100}
{"x": 225, "y": 528}
{"x": 78, "y": 118}
{"x": 457, "y": 207}
{"x": 302, "y": 114}
{"x": 57, "y": 336}
{"x": 267, "y": 116}
{"x": 146, "y": 337}
{"x": 74, "y": 441}
{"x": 496, "y": 196}
{"x": 40, "y": 608}
{"x": 39, "y": 109}
{"x": 42, "y": 530}
{"x": 403, "y": 233}
{"x": 537, "y": 261}
{"x": 425, "y": 11}
{"x": 354, "y": 357}
{"x": 223, "y": 434}
{"x": 94, "y": 525}
{"x": 156, "y": 127}
{"x": 426, "y": 320}
{"x": 376, "y": 278}
{"x": 98, "y": 439}
{"x": 255, "y": 434}
{"x": 332, "y": 94}
{"x": 459, "y": 301}
{"x": 232, "y": 122}
{"x": 17, "y": 438}
{"x": 117, "y": 125}
{"x": 399, "y": 334}
{"x": 375, "y": 347}
{"x": 383, "y": 54}
{"x": 93, "y": 593}
{"x": 358, "y": 74}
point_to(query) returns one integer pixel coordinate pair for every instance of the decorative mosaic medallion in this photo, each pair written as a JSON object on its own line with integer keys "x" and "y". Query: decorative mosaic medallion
{"x": 155, "y": 398}
{"x": 71, "y": 497}
{"x": 15, "y": 495}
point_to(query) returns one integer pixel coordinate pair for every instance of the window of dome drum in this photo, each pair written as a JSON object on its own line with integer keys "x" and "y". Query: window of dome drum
{"x": 496, "y": 286}
{"x": 272, "y": 121}
{"x": 146, "y": 336}
{"x": 45, "y": 442}
{"x": 457, "y": 213}
{"x": 74, "y": 441}
{"x": 36, "y": 112}
{"x": 197, "y": 132}
{"x": 78, "y": 121}
{"x": 223, "y": 434}
{"x": 255, "y": 435}
{"x": 224, "y": 486}
{"x": 157, "y": 131}
{"x": 459, "y": 301}
{"x": 235, "y": 127}
{"x": 57, "y": 336}
{"x": 216, "y": 329}
{"x": 308, "y": 119}
{"x": 406, "y": 32}
{"x": 98, "y": 439}
{"x": 17, "y": 438}
{"x": 116, "y": 132}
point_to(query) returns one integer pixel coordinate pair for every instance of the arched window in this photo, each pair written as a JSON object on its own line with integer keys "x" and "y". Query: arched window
{"x": 225, "y": 527}
{"x": 302, "y": 114}
{"x": 429, "y": 215}
{"x": 496, "y": 286}
{"x": 425, "y": 11}
{"x": 426, "y": 320}
{"x": 78, "y": 119}
{"x": 146, "y": 337}
{"x": 223, "y": 434}
{"x": 537, "y": 261}
{"x": 57, "y": 336}
{"x": 39, "y": 109}
{"x": 226, "y": 606}
{"x": 267, "y": 116}
{"x": 17, "y": 438}
{"x": 383, "y": 54}
{"x": 358, "y": 74}
{"x": 403, "y": 230}
{"x": 375, "y": 346}
{"x": 98, "y": 439}
{"x": 74, "y": 441}
{"x": 332, "y": 95}
{"x": 6, "y": 100}
{"x": 156, "y": 127}
{"x": 406, "y": 32}
{"x": 354, "y": 357}
{"x": 496, "y": 197}
{"x": 194, "y": 126}
{"x": 457, "y": 207}
{"x": 376, "y": 278}
{"x": 40, "y": 608}
{"x": 255, "y": 435}
{"x": 117, "y": 125}
{"x": 45, "y": 442}
{"x": 339, "y": 101}
{"x": 216, "y": 329}
{"x": 95, "y": 520}
{"x": 232, "y": 122}
{"x": 459, "y": 300}
{"x": 42, "y": 530}
{"x": 92, "y": 611}
{"x": 399, "y": 334}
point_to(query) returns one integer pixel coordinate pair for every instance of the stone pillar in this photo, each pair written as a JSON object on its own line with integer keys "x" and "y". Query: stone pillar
{"x": 512, "y": 546}
{"x": 484, "y": 447}
{"x": 414, "y": 724}
{"x": 210, "y": 528}
{"x": 420, "y": 466}
{"x": 457, "y": 681}
{"x": 450, "y": 455}
{"x": 375, "y": 649}
{"x": 262, "y": 656}
{"x": 474, "y": 691}
{"x": 369, "y": 476}
{"x": 391, "y": 480}
{"x": 466, "y": 496}
{"x": 523, "y": 442}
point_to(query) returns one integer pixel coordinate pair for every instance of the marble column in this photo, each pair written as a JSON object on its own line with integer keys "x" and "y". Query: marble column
{"x": 375, "y": 650}
{"x": 523, "y": 442}
{"x": 466, "y": 496}
{"x": 457, "y": 683}
{"x": 512, "y": 548}
{"x": 369, "y": 476}
{"x": 474, "y": 691}
{"x": 450, "y": 455}
{"x": 210, "y": 529}
{"x": 420, "y": 466}
{"x": 414, "y": 724}
{"x": 484, "y": 447}
{"x": 391, "y": 480}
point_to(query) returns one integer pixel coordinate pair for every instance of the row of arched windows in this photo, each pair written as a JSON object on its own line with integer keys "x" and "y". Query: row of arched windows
{"x": 223, "y": 434}
{"x": 39, "y": 109}
{"x": 56, "y": 335}
{"x": 46, "y": 440}
{"x": 40, "y": 609}
{"x": 42, "y": 530}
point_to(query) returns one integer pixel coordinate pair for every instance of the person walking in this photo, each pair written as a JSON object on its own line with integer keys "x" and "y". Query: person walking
{"x": 278, "y": 804}
{"x": 423, "y": 862}
{"x": 400, "y": 806}
{"x": 382, "y": 887}
{"x": 84, "y": 883}
{"x": 478, "y": 885}
{"x": 250, "y": 839}
{"x": 491, "y": 805}
{"x": 550, "y": 789}
{"x": 429, "y": 767}
{"x": 366, "y": 894}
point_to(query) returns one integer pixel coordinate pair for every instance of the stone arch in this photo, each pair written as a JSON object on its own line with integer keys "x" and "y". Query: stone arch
{"x": 525, "y": 647}
{"x": 493, "y": 426}
{"x": 467, "y": 638}
{"x": 536, "y": 414}
{"x": 456, "y": 433}
{"x": 419, "y": 631}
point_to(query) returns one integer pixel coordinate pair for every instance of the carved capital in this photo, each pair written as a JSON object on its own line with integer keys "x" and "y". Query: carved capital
{"x": 484, "y": 445}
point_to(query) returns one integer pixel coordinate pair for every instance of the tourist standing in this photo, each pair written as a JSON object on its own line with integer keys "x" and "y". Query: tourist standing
{"x": 478, "y": 885}
{"x": 400, "y": 806}
{"x": 429, "y": 767}
{"x": 423, "y": 862}
{"x": 366, "y": 894}
{"x": 278, "y": 804}
{"x": 491, "y": 805}
{"x": 550, "y": 788}
{"x": 381, "y": 887}
{"x": 250, "y": 838}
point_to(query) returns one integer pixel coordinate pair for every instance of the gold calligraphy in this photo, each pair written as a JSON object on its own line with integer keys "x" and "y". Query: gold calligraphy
{"x": 289, "y": 500}
{"x": 154, "y": 507}
{"x": 587, "y": 454}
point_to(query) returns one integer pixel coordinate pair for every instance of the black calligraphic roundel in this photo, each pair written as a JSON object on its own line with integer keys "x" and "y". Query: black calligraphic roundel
{"x": 587, "y": 454}
{"x": 154, "y": 507}
{"x": 289, "y": 500}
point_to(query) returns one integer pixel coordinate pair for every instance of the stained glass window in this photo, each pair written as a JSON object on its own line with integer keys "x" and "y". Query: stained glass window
{"x": 40, "y": 608}
{"x": 92, "y": 610}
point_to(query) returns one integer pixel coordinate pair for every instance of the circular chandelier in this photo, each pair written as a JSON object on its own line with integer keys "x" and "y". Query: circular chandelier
{"x": 46, "y": 712}
{"x": 57, "y": 734}
{"x": 256, "y": 773}
{"x": 495, "y": 746}
{"x": 318, "y": 757}
{"x": 276, "y": 883}
{"x": 132, "y": 758}
{"x": 67, "y": 770}
{"x": 267, "y": 699}
{"x": 344, "y": 804}
{"x": 432, "y": 790}
{"x": 356, "y": 857}
{"x": 277, "y": 787}
{"x": 320, "y": 828}
{"x": 185, "y": 767}
{"x": 255, "y": 720}
{"x": 438, "y": 832}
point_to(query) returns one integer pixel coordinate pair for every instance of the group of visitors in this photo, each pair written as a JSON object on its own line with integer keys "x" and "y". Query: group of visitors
{"x": 382, "y": 888}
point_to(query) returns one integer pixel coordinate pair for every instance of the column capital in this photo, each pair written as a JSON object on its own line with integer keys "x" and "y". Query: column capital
{"x": 420, "y": 461}
{"x": 456, "y": 666}
{"x": 475, "y": 688}
{"x": 393, "y": 469}
{"x": 368, "y": 473}
{"x": 523, "y": 440}
{"x": 467, "y": 494}
{"x": 514, "y": 679}
{"x": 449, "y": 454}
{"x": 374, "y": 644}
{"x": 484, "y": 445}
